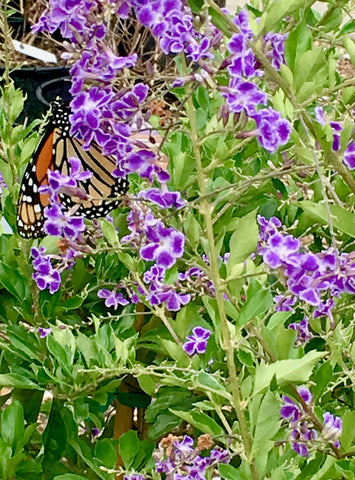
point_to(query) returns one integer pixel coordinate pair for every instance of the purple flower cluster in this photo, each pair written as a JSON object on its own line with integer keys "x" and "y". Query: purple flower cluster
{"x": 300, "y": 425}
{"x": 182, "y": 461}
{"x": 172, "y": 23}
{"x": 45, "y": 275}
{"x": 349, "y": 153}
{"x": 244, "y": 96}
{"x": 313, "y": 278}
{"x": 47, "y": 268}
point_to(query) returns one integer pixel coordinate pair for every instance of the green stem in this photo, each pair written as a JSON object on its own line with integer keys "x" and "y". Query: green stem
{"x": 227, "y": 345}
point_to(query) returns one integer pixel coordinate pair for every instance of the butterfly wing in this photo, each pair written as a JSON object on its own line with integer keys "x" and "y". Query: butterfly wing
{"x": 53, "y": 152}
{"x": 31, "y": 203}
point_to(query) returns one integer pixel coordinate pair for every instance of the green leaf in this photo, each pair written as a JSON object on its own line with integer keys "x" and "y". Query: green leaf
{"x": 208, "y": 380}
{"x": 279, "y": 10}
{"x": 69, "y": 476}
{"x": 201, "y": 421}
{"x": 348, "y": 434}
{"x": 17, "y": 381}
{"x": 11, "y": 280}
{"x": 129, "y": 445}
{"x": 343, "y": 220}
{"x": 229, "y": 473}
{"x": 106, "y": 452}
{"x": 12, "y": 424}
{"x": 299, "y": 41}
{"x": 308, "y": 66}
{"x": 349, "y": 44}
{"x": 201, "y": 118}
{"x": 192, "y": 229}
{"x": 244, "y": 240}
{"x": 175, "y": 352}
{"x": 84, "y": 452}
{"x": 291, "y": 370}
{"x": 60, "y": 353}
{"x": 259, "y": 300}
{"x": 267, "y": 424}
{"x": 110, "y": 233}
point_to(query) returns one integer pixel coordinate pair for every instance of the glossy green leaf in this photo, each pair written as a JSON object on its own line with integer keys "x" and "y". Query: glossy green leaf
{"x": 201, "y": 421}
{"x": 259, "y": 300}
{"x": 12, "y": 424}
{"x": 267, "y": 424}
{"x": 244, "y": 240}
{"x": 297, "y": 371}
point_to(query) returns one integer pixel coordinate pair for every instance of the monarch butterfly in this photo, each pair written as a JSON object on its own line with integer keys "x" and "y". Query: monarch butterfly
{"x": 52, "y": 153}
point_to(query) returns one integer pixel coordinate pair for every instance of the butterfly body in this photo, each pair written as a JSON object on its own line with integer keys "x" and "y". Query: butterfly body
{"x": 54, "y": 150}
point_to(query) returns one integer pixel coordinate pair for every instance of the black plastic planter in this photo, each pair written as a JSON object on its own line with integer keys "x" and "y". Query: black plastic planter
{"x": 41, "y": 86}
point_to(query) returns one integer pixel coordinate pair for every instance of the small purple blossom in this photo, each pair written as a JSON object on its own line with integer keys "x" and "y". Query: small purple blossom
{"x": 164, "y": 245}
{"x": 146, "y": 164}
{"x": 197, "y": 342}
{"x": 332, "y": 429}
{"x": 59, "y": 223}
{"x": 112, "y": 298}
{"x": 272, "y": 129}
{"x": 349, "y": 156}
{"x": 134, "y": 476}
{"x": 302, "y": 329}
{"x": 164, "y": 199}
{"x": 44, "y": 332}
{"x": 2, "y": 184}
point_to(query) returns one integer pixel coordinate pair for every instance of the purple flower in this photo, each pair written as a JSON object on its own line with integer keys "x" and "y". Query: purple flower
{"x": 305, "y": 394}
{"x": 284, "y": 304}
{"x": 337, "y": 128}
{"x": 146, "y": 164}
{"x": 272, "y": 129}
{"x": 44, "y": 332}
{"x": 197, "y": 342}
{"x": 2, "y": 183}
{"x": 66, "y": 184}
{"x": 302, "y": 329}
{"x": 243, "y": 96}
{"x": 274, "y": 47}
{"x": 45, "y": 275}
{"x": 164, "y": 199}
{"x": 290, "y": 411}
{"x": 134, "y": 476}
{"x": 332, "y": 429}
{"x": 280, "y": 250}
{"x": 112, "y": 299}
{"x": 268, "y": 227}
{"x": 164, "y": 245}
{"x": 160, "y": 293}
{"x": 349, "y": 156}
{"x": 58, "y": 223}
{"x": 300, "y": 427}
{"x": 95, "y": 432}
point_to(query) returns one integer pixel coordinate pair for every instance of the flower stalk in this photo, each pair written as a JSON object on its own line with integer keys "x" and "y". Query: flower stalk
{"x": 226, "y": 341}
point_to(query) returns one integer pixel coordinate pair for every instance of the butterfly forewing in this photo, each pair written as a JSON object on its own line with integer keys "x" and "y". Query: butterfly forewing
{"x": 53, "y": 152}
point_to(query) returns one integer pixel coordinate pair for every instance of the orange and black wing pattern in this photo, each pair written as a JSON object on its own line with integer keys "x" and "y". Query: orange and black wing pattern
{"x": 53, "y": 152}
